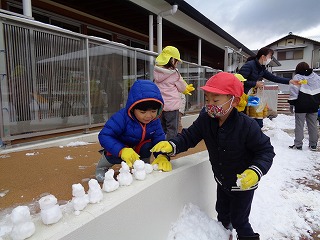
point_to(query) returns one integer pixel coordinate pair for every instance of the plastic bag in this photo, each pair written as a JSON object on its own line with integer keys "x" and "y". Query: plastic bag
{"x": 255, "y": 94}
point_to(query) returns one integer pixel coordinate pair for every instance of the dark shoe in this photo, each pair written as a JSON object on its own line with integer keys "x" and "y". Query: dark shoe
{"x": 256, "y": 236}
{"x": 313, "y": 148}
{"x": 295, "y": 147}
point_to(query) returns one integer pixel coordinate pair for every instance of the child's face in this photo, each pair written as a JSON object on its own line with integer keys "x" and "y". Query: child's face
{"x": 145, "y": 116}
{"x": 219, "y": 105}
{"x": 217, "y": 99}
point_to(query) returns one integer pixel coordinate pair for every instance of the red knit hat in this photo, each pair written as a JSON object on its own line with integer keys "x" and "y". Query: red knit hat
{"x": 224, "y": 83}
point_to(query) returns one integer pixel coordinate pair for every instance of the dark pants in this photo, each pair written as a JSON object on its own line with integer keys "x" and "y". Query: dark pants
{"x": 233, "y": 207}
{"x": 170, "y": 123}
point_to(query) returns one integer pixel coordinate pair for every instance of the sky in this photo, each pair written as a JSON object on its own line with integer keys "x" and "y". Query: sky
{"x": 284, "y": 205}
{"x": 258, "y": 23}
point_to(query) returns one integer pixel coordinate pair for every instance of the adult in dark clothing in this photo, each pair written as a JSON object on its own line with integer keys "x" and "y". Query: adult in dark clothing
{"x": 254, "y": 70}
{"x": 305, "y": 99}
{"x": 239, "y": 152}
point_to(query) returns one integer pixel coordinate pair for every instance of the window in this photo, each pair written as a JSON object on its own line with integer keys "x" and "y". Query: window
{"x": 290, "y": 55}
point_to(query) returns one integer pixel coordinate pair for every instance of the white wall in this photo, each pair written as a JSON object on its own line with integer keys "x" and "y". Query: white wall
{"x": 144, "y": 210}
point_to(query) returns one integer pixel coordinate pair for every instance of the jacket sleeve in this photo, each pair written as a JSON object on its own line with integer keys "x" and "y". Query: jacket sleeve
{"x": 274, "y": 78}
{"x": 181, "y": 84}
{"x": 159, "y": 134}
{"x": 262, "y": 150}
{"x": 108, "y": 136}
{"x": 246, "y": 71}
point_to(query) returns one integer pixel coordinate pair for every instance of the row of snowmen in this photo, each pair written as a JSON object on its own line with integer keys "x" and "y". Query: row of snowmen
{"x": 51, "y": 213}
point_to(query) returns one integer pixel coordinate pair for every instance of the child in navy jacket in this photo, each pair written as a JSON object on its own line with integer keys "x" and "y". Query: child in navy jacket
{"x": 132, "y": 131}
{"x": 239, "y": 152}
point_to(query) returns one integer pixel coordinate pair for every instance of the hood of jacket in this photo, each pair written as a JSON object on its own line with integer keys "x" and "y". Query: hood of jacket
{"x": 143, "y": 90}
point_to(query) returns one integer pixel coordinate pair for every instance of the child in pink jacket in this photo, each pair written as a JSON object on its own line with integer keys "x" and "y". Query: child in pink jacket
{"x": 171, "y": 84}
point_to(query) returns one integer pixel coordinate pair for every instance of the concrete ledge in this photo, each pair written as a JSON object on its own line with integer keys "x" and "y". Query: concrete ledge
{"x": 144, "y": 210}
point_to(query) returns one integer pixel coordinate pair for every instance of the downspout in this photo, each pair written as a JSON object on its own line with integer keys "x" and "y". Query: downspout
{"x": 27, "y": 9}
{"x": 159, "y": 24}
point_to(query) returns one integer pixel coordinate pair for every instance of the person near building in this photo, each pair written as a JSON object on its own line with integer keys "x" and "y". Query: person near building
{"x": 239, "y": 152}
{"x": 304, "y": 100}
{"x": 255, "y": 69}
{"x": 171, "y": 84}
{"x": 130, "y": 133}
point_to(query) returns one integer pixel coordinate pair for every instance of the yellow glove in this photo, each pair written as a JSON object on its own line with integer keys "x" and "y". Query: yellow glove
{"x": 247, "y": 179}
{"x": 189, "y": 89}
{"x": 163, "y": 163}
{"x": 242, "y": 103}
{"x": 129, "y": 156}
{"x": 303, "y": 81}
{"x": 163, "y": 146}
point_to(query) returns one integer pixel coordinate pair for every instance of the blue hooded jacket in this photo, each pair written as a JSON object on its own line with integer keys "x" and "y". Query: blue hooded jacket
{"x": 124, "y": 130}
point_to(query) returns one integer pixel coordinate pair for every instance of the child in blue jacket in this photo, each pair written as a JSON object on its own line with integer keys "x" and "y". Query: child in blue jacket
{"x": 132, "y": 131}
{"x": 239, "y": 152}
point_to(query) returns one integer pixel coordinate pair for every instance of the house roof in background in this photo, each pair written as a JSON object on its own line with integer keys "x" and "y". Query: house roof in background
{"x": 290, "y": 35}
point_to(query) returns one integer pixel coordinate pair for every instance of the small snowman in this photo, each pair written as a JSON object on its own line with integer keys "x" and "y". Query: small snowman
{"x": 50, "y": 210}
{"x": 95, "y": 193}
{"x": 109, "y": 183}
{"x": 124, "y": 177}
{"x": 23, "y": 227}
{"x": 139, "y": 171}
{"x": 80, "y": 199}
{"x": 149, "y": 168}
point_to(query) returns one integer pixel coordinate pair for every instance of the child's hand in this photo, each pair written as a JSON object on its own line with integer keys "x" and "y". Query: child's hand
{"x": 163, "y": 163}
{"x": 189, "y": 89}
{"x": 129, "y": 156}
{"x": 295, "y": 82}
{"x": 163, "y": 146}
{"x": 247, "y": 179}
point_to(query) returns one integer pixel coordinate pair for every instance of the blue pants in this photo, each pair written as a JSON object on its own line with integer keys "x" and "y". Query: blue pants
{"x": 233, "y": 208}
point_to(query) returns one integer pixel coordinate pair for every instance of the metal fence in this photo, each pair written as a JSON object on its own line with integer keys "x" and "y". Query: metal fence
{"x": 54, "y": 80}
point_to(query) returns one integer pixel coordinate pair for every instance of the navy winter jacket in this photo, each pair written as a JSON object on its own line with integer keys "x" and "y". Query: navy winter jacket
{"x": 237, "y": 145}
{"x": 124, "y": 130}
{"x": 253, "y": 71}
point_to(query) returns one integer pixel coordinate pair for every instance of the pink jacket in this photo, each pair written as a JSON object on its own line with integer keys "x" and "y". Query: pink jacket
{"x": 171, "y": 84}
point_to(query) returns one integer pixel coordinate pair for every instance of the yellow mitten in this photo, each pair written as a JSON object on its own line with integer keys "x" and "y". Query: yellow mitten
{"x": 247, "y": 179}
{"x": 129, "y": 156}
{"x": 303, "y": 81}
{"x": 163, "y": 146}
{"x": 242, "y": 103}
{"x": 189, "y": 89}
{"x": 163, "y": 163}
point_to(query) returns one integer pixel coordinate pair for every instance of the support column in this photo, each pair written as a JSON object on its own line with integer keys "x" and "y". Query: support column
{"x": 151, "y": 33}
{"x": 27, "y": 8}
